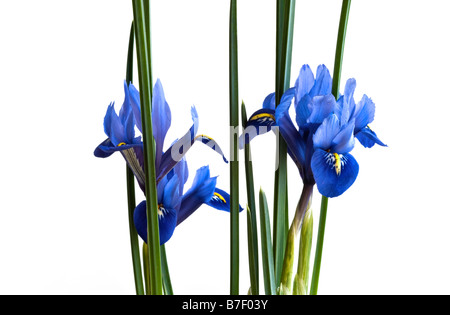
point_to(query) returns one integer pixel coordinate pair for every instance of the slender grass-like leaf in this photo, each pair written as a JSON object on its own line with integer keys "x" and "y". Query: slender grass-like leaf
{"x": 143, "y": 52}
{"x": 234, "y": 163}
{"x": 167, "y": 284}
{"x": 266, "y": 246}
{"x": 146, "y": 262}
{"x": 131, "y": 194}
{"x": 284, "y": 39}
{"x": 252, "y": 227}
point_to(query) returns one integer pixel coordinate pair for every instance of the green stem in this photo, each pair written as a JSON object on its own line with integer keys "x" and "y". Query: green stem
{"x": 288, "y": 263}
{"x": 143, "y": 52}
{"x": 234, "y": 163}
{"x": 345, "y": 12}
{"x": 319, "y": 246}
{"x": 284, "y": 39}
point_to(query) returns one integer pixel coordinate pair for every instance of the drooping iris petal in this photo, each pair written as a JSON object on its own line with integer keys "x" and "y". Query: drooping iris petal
{"x": 364, "y": 113}
{"x": 368, "y": 138}
{"x": 161, "y": 117}
{"x": 221, "y": 201}
{"x": 259, "y": 123}
{"x": 294, "y": 141}
{"x": 304, "y": 83}
{"x": 210, "y": 142}
{"x": 167, "y": 211}
{"x": 269, "y": 102}
{"x": 334, "y": 173}
{"x": 167, "y": 222}
{"x": 201, "y": 192}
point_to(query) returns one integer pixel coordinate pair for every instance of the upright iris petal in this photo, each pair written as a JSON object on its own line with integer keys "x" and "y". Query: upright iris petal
{"x": 161, "y": 117}
{"x": 362, "y": 112}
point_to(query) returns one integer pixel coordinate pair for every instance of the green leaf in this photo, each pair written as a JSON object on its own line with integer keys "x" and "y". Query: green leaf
{"x": 131, "y": 194}
{"x": 284, "y": 39}
{"x": 266, "y": 246}
{"x": 142, "y": 25}
{"x": 234, "y": 163}
{"x": 252, "y": 228}
{"x": 167, "y": 284}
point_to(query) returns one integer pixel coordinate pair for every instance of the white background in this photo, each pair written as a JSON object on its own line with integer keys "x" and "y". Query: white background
{"x": 63, "y": 212}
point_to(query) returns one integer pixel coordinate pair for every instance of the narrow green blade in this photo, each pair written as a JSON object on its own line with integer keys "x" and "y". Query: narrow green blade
{"x": 143, "y": 52}
{"x": 234, "y": 163}
{"x": 284, "y": 39}
{"x": 252, "y": 228}
{"x": 266, "y": 246}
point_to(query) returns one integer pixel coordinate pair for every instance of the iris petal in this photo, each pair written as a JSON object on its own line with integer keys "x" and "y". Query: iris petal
{"x": 210, "y": 142}
{"x": 269, "y": 102}
{"x": 329, "y": 182}
{"x": 304, "y": 82}
{"x": 176, "y": 152}
{"x": 322, "y": 107}
{"x": 368, "y": 138}
{"x": 259, "y": 123}
{"x": 347, "y": 102}
{"x": 201, "y": 192}
{"x": 327, "y": 131}
{"x": 161, "y": 117}
{"x": 323, "y": 83}
{"x": 221, "y": 201}
{"x": 303, "y": 110}
{"x": 344, "y": 141}
{"x": 172, "y": 196}
{"x": 167, "y": 222}
{"x": 294, "y": 141}
{"x": 136, "y": 105}
{"x": 364, "y": 113}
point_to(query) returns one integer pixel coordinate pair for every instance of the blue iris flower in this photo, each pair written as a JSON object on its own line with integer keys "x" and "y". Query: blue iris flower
{"x": 171, "y": 167}
{"x": 326, "y": 129}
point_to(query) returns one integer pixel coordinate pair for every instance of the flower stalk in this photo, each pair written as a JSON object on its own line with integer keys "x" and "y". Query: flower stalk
{"x": 302, "y": 277}
{"x": 345, "y": 12}
{"x": 285, "y": 287}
